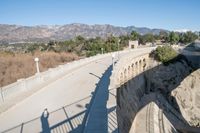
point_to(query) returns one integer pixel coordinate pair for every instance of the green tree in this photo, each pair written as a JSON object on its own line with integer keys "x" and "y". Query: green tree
{"x": 188, "y": 37}
{"x": 146, "y": 38}
{"x": 173, "y": 38}
{"x": 79, "y": 39}
{"x": 134, "y": 35}
{"x": 124, "y": 40}
{"x": 198, "y": 35}
{"x": 164, "y": 36}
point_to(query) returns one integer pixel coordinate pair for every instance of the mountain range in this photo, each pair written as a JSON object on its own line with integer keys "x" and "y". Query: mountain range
{"x": 43, "y": 33}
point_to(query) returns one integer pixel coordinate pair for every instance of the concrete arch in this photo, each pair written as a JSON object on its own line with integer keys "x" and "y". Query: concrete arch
{"x": 125, "y": 75}
{"x": 121, "y": 78}
{"x": 129, "y": 72}
{"x": 144, "y": 64}
{"x": 136, "y": 68}
{"x": 132, "y": 70}
{"x": 140, "y": 66}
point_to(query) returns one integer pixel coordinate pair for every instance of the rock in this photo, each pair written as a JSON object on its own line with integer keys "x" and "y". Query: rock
{"x": 187, "y": 96}
{"x": 181, "y": 87}
{"x": 166, "y": 78}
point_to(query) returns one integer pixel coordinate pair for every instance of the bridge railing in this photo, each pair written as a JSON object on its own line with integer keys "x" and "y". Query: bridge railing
{"x": 42, "y": 79}
{"x": 124, "y": 71}
{"x": 128, "y": 67}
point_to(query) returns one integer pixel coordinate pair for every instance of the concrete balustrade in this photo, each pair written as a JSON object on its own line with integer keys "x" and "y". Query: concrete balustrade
{"x": 42, "y": 79}
{"x": 128, "y": 79}
{"x": 128, "y": 68}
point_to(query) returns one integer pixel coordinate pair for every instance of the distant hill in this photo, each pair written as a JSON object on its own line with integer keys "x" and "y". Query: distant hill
{"x": 44, "y": 33}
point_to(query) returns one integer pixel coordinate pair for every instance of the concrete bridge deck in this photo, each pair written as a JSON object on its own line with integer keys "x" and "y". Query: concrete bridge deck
{"x": 69, "y": 100}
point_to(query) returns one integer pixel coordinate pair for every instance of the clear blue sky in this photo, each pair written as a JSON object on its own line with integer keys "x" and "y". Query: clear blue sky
{"x": 168, "y": 14}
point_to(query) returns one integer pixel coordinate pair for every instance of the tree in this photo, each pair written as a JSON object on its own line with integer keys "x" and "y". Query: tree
{"x": 124, "y": 40}
{"x": 51, "y": 43}
{"x": 188, "y": 37}
{"x": 134, "y": 35}
{"x": 164, "y": 36}
{"x": 79, "y": 39}
{"x": 173, "y": 38}
{"x": 112, "y": 39}
{"x": 146, "y": 38}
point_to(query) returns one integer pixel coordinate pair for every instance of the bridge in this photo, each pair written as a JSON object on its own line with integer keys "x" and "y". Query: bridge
{"x": 76, "y": 95}
{"x": 91, "y": 96}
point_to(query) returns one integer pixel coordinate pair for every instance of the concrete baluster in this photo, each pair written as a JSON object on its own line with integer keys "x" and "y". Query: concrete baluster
{"x": 133, "y": 70}
{"x": 22, "y": 83}
{"x": 61, "y": 69}
{"x": 2, "y": 97}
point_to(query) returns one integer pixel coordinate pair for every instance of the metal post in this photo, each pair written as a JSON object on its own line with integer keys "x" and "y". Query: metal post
{"x": 37, "y": 64}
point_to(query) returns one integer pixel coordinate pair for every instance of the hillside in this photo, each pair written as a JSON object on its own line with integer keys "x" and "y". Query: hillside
{"x": 44, "y": 33}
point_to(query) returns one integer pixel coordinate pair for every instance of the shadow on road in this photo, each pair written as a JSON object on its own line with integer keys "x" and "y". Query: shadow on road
{"x": 44, "y": 121}
{"x": 97, "y": 117}
{"x": 73, "y": 117}
{"x": 95, "y": 75}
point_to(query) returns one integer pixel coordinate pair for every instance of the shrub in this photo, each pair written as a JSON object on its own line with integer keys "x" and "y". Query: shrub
{"x": 164, "y": 53}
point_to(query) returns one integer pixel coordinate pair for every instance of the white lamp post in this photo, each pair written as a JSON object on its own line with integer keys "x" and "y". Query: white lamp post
{"x": 101, "y": 50}
{"x": 37, "y": 64}
{"x": 113, "y": 57}
{"x": 118, "y": 48}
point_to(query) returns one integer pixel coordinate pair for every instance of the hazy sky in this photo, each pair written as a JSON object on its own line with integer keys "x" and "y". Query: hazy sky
{"x": 167, "y": 14}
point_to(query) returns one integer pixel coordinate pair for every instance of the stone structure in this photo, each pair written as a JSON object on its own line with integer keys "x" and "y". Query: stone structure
{"x": 133, "y": 44}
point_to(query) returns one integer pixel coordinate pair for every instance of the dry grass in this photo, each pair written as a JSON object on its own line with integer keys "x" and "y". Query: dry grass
{"x": 16, "y": 66}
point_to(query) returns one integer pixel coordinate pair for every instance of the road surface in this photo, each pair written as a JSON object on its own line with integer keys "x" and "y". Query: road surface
{"x": 68, "y": 100}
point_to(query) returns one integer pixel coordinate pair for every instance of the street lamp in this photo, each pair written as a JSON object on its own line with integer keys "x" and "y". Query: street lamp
{"x": 113, "y": 57}
{"x": 118, "y": 48}
{"x": 101, "y": 50}
{"x": 37, "y": 64}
